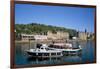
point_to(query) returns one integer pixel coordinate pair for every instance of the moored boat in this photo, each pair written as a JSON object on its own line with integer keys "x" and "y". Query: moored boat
{"x": 66, "y": 48}
{"x": 44, "y": 51}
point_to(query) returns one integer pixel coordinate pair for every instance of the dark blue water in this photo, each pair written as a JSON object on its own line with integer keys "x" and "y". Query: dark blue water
{"x": 87, "y": 55}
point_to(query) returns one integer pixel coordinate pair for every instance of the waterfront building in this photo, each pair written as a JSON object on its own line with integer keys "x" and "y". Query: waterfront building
{"x": 82, "y": 35}
{"x": 62, "y": 35}
{"x": 25, "y": 37}
{"x": 50, "y": 35}
{"x": 40, "y": 37}
{"x": 74, "y": 38}
{"x": 93, "y": 36}
{"x": 58, "y": 35}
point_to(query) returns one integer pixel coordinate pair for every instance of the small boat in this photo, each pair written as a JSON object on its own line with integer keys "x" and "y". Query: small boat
{"x": 44, "y": 51}
{"x": 66, "y": 48}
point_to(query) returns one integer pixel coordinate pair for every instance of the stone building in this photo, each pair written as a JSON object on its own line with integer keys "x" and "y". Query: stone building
{"x": 50, "y": 36}
{"x": 40, "y": 37}
{"x": 26, "y": 37}
{"x": 82, "y": 35}
{"x": 58, "y": 35}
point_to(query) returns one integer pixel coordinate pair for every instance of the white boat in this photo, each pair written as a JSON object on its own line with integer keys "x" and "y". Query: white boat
{"x": 44, "y": 51}
{"x": 66, "y": 48}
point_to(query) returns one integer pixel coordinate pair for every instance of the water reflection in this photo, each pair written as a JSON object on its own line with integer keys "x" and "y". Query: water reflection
{"x": 44, "y": 60}
{"x": 54, "y": 60}
{"x": 87, "y": 55}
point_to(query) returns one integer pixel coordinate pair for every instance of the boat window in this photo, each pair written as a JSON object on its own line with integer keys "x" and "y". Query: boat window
{"x": 72, "y": 51}
{"x": 46, "y": 54}
{"x": 34, "y": 54}
{"x": 58, "y": 53}
{"x": 41, "y": 48}
{"x": 47, "y": 48}
{"x": 40, "y": 54}
{"x": 53, "y": 53}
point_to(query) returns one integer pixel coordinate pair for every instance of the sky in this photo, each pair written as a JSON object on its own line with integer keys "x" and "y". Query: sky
{"x": 77, "y": 18}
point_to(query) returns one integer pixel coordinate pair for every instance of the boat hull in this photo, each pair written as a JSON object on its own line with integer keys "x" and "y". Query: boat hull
{"x": 45, "y": 55}
{"x": 66, "y": 53}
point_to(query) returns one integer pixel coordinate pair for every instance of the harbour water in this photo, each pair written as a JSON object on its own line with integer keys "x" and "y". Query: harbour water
{"x": 87, "y": 55}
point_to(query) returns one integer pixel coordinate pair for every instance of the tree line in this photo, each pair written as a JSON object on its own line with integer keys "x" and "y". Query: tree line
{"x": 35, "y": 28}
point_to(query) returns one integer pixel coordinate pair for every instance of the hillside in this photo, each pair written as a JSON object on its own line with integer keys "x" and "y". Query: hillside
{"x": 41, "y": 28}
